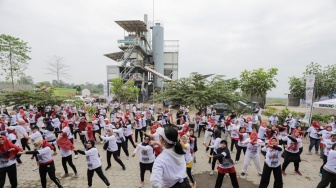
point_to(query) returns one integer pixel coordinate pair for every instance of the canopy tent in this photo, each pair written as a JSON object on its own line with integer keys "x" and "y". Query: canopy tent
{"x": 330, "y": 104}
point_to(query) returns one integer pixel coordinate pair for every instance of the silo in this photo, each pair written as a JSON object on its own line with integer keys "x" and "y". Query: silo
{"x": 158, "y": 54}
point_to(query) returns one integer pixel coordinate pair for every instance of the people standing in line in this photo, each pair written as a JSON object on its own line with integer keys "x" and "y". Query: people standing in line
{"x": 169, "y": 167}
{"x": 66, "y": 147}
{"x": 93, "y": 163}
{"x": 43, "y": 150}
{"x": 8, "y": 151}
{"x": 272, "y": 163}
{"x": 225, "y": 165}
{"x": 146, "y": 158}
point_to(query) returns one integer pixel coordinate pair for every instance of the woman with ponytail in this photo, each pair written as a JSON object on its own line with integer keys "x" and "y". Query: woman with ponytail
{"x": 169, "y": 167}
{"x": 272, "y": 163}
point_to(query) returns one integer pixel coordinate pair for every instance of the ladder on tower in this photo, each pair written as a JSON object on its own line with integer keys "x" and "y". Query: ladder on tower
{"x": 127, "y": 54}
{"x": 126, "y": 72}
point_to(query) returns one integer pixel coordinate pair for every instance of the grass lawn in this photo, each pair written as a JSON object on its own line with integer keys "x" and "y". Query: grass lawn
{"x": 65, "y": 92}
{"x": 276, "y": 101}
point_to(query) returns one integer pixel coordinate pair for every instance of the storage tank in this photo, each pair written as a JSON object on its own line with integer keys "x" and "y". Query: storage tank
{"x": 158, "y": 54}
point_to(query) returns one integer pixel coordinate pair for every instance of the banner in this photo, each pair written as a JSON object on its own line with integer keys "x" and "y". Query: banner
{"x": 310, "y": 81}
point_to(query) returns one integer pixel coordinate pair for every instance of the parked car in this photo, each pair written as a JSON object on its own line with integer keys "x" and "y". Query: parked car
{"x": 221, "y": 108}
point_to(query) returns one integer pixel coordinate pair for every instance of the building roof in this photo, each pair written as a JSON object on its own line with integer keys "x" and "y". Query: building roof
{"x": 115, "y": 56}
{"x": 132, "y": 25}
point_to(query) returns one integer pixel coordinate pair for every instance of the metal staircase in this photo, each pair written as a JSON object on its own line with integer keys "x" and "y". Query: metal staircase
{"x": 127, "y": 53}
{"x": 126, "y": 72}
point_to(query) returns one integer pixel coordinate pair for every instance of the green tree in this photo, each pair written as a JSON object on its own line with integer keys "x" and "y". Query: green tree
{"x": 258, "y": 82}
{"x": 40, "y": 97}
{"x": 44, "y": 83}
{"x": 325, "y": 81}
{"x": 124, "y": 91}
{"x": 13, "y": 57}
{"x": 199, "y": 92}
{"x": 25, "y": 80}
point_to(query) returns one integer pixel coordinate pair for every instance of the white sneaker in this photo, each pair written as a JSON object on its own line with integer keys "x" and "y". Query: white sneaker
{"x": 36, "y": 168}
{"x": 79, "y": 141}
{"x": 211, "y": 173}
{"x": 141, "y": 184}
{"x": 127, "y": 157}
{"x": 76, "y": 156}
{"x": 236, "y": 162}
{"x": 102, "y": 142}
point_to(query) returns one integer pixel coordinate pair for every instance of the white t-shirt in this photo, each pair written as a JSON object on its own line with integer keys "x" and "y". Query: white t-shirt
{"x": 168, "y": 170}
{"x": 262, "y": 132}
{"x": 187, "y": 156}
{"x": 249, "y": 127}
{"x": 44, "y": 155}
{"x": 128, "y": 130}
{"x": 19, "y": 129}
{"x": 112, "y": 145}
{"x": 234, "y": 131}
{"x": 272, "y": 157}
{"x": 292, "y": 148}
{"x": 64, "y": 152}
{"x": 35, "y": 136}
{"x": 244, "y": 137}
{"x": 252, "y": 150}
{"x": 313, "y": 132}
{"x": 68, "y": 131}
{"x": 331, "y": 162}
{"x": 328, "y": 144}
{"x": 146, "y": 153}
{"x": 56, "y": 123}
{"x": 6, "y": 162}
{"x": 92, "y": 158}
{"x": 259, "y": 111}
{"x": 215, "y": 144}
{"x": 12, "y": 137}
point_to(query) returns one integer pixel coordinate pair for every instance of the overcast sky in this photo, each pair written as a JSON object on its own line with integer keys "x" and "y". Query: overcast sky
{"x": 222, "y": 37}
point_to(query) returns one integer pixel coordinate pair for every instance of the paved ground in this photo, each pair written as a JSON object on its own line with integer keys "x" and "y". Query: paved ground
{"x": 131, "y": 177}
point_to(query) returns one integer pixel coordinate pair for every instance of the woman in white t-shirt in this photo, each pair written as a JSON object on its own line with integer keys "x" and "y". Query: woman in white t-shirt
{"x": 66, "y": 147}
{"x": 93, "y": 162}
{"x": 146, "y": 158}
{"x": 272, "y": 163}
{"x": 188, "y": 158}
{"x": 43, "y": 151}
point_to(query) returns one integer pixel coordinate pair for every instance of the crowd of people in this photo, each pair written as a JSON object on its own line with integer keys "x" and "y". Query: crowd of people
{"x": 167, "y": 149}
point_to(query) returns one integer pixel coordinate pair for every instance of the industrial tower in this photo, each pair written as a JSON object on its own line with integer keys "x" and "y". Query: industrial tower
{"x": 146, "y": 59}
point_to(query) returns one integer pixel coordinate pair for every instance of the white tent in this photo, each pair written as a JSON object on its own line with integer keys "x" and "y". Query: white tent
{"x": 330, "y": 104}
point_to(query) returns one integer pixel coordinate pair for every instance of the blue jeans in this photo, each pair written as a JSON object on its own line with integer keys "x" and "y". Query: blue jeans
{"x": 314, "y": 142}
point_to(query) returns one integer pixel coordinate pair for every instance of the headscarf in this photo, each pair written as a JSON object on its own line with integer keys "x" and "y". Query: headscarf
{"x": 270, "y": 141}
{"x": 152, "y": 129}
{"x": 64, "y": 142}
{"x": 11, "y": 130}
{"x": 8, "y": 145}
{"x": 47, "y": 144}
{"x": 254, "y": 140}
{"x": 146, "y": 144}
{"x": 22, "y": 123}
{"x": 21, "y": 111}
{"x": 65, "y": 124}
{"x": 316, "y": 124}
{"x": 263, "y": 123}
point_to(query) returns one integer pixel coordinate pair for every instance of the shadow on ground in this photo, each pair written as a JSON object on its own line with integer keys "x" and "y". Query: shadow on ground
{"x": 204, "y": 180}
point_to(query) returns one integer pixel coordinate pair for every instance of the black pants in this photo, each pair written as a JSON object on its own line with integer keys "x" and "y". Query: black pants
{"x": 184, "y": 184}
{"x": 220, "y": 178}
{"x": 71, "y": 128}
{"x": 327, "y": 178}
{"x": 11, "y": 172}
{"x": 239, "y": 148}
{"x": 137, "y": 131}
{"x": 129, "y": 138}
{"x": 200, "y": 127}
{"x": 211, "y": 153}
{"x": 75, "y": 134}
{"x": 143, "y": 168}
{"x": 24, "y": 144}
{"x": 144, "y": 128}
{"x": 266, "y": 175}
{"x": 100, "y": 173}
{"x": 82, "y": 138}
{"x": 68, "y": 160}
{"x": 56, "y": 130}
{"x": 324, "y": 162}
{"x": 115, "y": 156}
{"x": 50, "y": 169}
{"x": 191, "y": 177}
{"x": 286, "y": 163}
{"x": 123, "y": 146}
{"x": 233, "y": 143}
{"x": 99, "y": 132}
